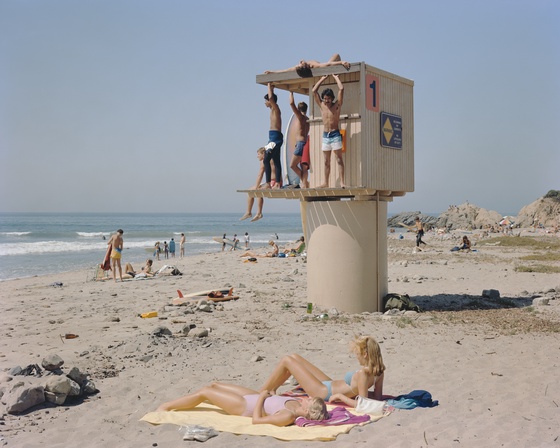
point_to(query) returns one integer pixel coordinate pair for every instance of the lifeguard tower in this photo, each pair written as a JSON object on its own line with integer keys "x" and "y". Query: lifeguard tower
{"x": 346, "y": 229}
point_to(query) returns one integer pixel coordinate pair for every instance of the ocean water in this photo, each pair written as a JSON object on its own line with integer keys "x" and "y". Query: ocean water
{"x": 48, "y": 243}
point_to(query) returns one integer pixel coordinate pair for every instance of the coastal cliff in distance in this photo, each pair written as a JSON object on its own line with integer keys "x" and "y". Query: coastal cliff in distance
{"x": 544, "y": 211}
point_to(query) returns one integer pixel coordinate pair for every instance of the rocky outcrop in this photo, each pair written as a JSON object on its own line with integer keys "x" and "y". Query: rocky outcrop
{"x": 544, "y": 211}
{"x": 408, "y": 218}
{"x": 467, "y": 216}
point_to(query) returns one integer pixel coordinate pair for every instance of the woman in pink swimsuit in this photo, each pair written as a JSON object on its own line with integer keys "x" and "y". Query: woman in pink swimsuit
{"x": 316, "y": 383}
{"x": 262, "y": 407}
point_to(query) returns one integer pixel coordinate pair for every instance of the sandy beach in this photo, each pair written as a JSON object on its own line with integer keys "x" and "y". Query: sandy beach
{"x": 492, "y": 364}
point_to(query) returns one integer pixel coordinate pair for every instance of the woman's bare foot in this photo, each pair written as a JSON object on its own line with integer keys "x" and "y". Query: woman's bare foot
{"x": 256, "y": 218}
{"x": 245, "y": 216}
{"x": 265, "y": 187}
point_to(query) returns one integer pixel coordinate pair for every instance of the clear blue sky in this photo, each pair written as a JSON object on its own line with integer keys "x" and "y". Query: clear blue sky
{"x": 139, "y": 106}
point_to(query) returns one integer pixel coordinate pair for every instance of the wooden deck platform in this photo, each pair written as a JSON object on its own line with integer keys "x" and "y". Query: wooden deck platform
{"x": 323, "y": 194}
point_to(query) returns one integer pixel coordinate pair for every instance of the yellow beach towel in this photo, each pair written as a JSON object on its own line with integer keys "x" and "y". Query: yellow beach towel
{"x": 209, "y": 415}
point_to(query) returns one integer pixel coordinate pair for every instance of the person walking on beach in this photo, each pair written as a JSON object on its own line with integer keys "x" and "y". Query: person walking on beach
{"x": 223, "y": 242}
{"x": 247, "y": 240}
{"x": 302, "y": 132}
{"x": 275, "y": 140}
{"x": 157, "y": 250}
{"x": 182, "y": 246}
{"x": 332, "y": 138}
{"x": 116, "y": 244}
{"x": 419, "y": 232}
{"x": 165, "y": 250}
{"x": 172, "y": 248}
{"x": 235, "y": 242}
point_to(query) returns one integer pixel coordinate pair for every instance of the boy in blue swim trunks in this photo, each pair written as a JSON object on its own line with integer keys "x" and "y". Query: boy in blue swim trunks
{"x": 275, "y": 140}
{"x": 302, "y": 131}
{"x": 332, "y": 139}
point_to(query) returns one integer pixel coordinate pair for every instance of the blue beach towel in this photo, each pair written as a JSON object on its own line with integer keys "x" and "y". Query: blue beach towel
{"x": 416, "y": 398}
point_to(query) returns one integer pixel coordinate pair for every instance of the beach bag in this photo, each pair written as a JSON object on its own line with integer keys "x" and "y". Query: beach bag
{"x": 176, "y": 271}
{"x": 370, "y": 406}
{"x": 399, "y": 302}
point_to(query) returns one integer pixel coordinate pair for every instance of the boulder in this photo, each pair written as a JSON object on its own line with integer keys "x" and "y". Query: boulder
{"x": 22, "y": 396}
{"x": 52, "y": 362}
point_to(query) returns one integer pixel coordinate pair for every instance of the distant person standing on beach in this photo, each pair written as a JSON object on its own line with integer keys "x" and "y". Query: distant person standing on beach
{"x": 419, "y": 232}
{"x": 165, "y": 249}
{"x": 223, "y": 242}
{"x": 172, "y": 248}
{"x": 332, "y": 138}
{"x": 247, "y": 240}
{"x": 157, "y": 250}
{"x": 182, "y": 246}
{"x": 275, "y": 140}
{"x": 116, "y": 243}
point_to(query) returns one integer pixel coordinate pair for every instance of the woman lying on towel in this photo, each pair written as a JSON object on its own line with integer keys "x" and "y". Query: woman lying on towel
{"x": 262, "y": 407}
{"x": 317, "y": 384}
{"x": 273, "y": 253}
{"x": 147, "y": 269}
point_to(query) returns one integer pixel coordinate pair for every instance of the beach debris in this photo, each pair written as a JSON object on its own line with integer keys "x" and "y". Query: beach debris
{"x": 70, "y": 336}
{"x": 256, "y": 358}
{"x": 149, "y": 314}
{"x": 540, "y": 301}
{"x": 198, "y": 333}
{"x": 185, "y": 330}
{"x": 200, "y": 433}
{"x": 30, "y": 370}
{"x": 162, "y": 331}
{"x": 492, "y": 294}
{"x": 56, "y": 284}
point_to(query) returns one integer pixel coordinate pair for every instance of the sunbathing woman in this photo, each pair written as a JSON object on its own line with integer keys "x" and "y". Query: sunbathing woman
{"x": 147, "y": 269}
{"x": 317, "y": 384}
{"x": 262, "y": 407}
{"x": 272, "y": 254}
{"x": 303, "y": 69}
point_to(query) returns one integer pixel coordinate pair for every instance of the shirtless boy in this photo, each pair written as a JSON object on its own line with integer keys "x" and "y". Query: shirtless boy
{"x": 303, "y": 69}
{"x": 116, "y": 243}
{"x": 275, "y": 139}
{"x": 260, "y": 201}
{"x": 332, "y": 139}
{"x": 302, "y": 131}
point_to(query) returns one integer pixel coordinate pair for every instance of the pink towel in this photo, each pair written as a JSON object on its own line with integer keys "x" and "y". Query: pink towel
{"x": 338, "y": 416}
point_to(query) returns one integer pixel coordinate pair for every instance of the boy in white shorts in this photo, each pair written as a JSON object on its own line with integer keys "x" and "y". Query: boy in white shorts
{"x": 332, "y": 138}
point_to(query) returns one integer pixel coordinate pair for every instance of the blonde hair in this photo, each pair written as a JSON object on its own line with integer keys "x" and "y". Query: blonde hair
{"x": 318, "y": 409}
{"x": 366, "y": 345}
{"x": 261, "y": 150}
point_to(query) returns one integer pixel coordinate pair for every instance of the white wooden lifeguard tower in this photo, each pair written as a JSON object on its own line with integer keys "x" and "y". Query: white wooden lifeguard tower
{"x": 346, "y": 229}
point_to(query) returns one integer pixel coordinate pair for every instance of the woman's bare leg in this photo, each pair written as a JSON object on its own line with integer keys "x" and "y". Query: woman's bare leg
{"x": 335, "y": 58}
{"x": 231, "y": 402}
{"x": 308, "y": 376}
{"x": 233, "y": 388}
